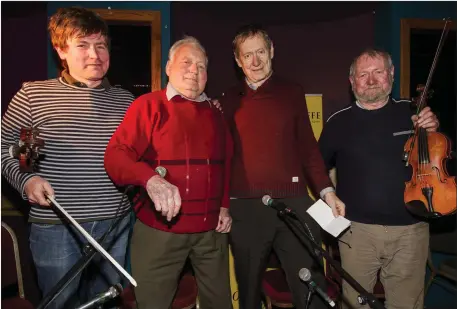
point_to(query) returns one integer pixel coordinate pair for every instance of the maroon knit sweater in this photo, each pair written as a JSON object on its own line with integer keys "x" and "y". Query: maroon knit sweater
{"x": 274, "y": 145}
{"x": 191, "y": 141}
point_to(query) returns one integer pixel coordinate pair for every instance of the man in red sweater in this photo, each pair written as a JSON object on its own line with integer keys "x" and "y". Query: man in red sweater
{"x": 276, "y": 154}
{"x": 184, "y": 214}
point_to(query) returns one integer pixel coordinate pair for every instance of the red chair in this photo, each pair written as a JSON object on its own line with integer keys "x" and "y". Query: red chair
{"x": 275, "y": 287}
{"x": 12, "y": 283}
{"x": 185, "y": 298}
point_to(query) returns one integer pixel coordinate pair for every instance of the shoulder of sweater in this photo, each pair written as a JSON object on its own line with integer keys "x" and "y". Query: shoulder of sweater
{"x": 53, "y": 82}
{"x": 405, "y": 105}
{"x": 121, "y": 91}
{"x": 340, "y": 113}
{"x": 282, "y": 82}
{"x": 155, "y": 96}
{"x": 150, "y": 100}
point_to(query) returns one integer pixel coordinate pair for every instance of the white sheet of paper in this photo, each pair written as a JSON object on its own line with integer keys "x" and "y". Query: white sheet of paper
{"x": 323, "y": 215}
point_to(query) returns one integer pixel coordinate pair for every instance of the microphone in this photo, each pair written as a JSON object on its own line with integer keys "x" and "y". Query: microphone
{"x": 162, "y": 171}
{"x": 279, "y": 206}
{"x": 283, "y": 208}
{"x": 305, "y": 275}
{"x": 101, "y": 298}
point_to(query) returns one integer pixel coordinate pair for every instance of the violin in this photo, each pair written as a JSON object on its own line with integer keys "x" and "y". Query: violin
{"x": 27, "y": 149}
{"x": 419, "y": 89}
{"x": 431, "y": 192}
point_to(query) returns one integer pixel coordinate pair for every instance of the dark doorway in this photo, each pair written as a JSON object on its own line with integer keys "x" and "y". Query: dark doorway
{"x": 424, "y": 43}
{"x": 130, "y": 66}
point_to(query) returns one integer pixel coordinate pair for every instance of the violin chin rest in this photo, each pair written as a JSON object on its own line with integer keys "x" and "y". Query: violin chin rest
{"x": 419, "y": 209}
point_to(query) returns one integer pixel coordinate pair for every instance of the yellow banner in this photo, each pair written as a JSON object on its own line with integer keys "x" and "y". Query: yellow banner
{"x": 233, "y": 283}
{"x": 314, "y": 105}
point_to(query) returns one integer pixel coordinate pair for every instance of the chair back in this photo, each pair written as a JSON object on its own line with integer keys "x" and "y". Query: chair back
{"x": 443, "y": 233}
{"x": 12, "y": 282}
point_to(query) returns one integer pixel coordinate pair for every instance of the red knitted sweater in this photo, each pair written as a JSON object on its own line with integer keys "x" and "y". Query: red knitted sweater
{"x": 275, "y": 151}
{"x": 191, "y": 141}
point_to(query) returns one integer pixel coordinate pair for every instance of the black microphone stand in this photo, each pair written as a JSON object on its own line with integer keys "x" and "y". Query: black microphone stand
{"x": 88, "y": 254}
{"x": 308, "y": 296}
{"x": 291, "y": 218}
{"x": 286, "y": 214}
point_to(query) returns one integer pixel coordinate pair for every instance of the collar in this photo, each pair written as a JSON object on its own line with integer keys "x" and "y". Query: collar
{"x": 360, "y": 105}
{"x": 72, "y": 81}
{"x": 172, "y": 92}
{"x": 254, "y": 87}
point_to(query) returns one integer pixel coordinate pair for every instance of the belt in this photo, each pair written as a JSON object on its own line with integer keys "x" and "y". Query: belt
{"x": 191, "y": 161}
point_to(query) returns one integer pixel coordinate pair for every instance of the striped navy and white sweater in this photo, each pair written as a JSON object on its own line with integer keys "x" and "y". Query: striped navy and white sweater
{"x": 76, "y": 125}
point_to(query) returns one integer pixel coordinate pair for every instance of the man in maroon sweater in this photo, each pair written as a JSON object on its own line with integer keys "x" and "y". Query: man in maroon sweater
{"x": 276, "y": 154}
{"x": 185, "y": 214}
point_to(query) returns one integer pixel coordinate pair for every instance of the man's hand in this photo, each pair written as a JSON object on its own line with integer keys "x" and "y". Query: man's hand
{"x": 36, "y": 189}
{"x": 427, "y": 120}
{"x": 165, "y": 196}
{"x": 338, "y": 207}
{"x": 225, "y": 221}
{"x": 217, "y": 104}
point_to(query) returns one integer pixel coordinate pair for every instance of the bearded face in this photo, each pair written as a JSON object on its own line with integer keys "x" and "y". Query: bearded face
{"x": 372, "y": 80}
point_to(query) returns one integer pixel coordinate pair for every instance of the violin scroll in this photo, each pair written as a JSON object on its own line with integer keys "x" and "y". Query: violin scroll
{"x": 420, "y": 89}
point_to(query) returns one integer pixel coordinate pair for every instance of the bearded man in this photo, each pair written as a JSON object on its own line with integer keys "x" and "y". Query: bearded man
{"x": 365, "y": 141}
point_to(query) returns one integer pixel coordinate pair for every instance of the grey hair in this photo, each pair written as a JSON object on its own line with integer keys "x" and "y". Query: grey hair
{"x": 247, "y": 32}
{"x": 372, "y": 53}
{"x": 187, "y": 40}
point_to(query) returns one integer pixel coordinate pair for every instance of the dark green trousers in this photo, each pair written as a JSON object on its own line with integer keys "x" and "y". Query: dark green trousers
{"x": 158, "y": 258}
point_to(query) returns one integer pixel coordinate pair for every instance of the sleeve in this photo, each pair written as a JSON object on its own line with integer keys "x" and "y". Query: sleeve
{"x": 18, "y": 115}
{"x": 228, "y": 166}
{"x": 327, "y": 146}
{"x": 312, "y": 161}
{"x": 129, "y": 142}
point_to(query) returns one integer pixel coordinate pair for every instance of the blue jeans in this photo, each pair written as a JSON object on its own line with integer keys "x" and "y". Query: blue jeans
{"x": 57, "y": 247}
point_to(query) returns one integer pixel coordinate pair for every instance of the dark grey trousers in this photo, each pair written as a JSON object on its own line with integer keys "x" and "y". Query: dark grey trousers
{"x": 256, "y": 230}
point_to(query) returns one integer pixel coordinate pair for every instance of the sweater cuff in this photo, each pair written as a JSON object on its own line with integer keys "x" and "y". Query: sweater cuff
{"x": 146, "y": 174}
{"x": 225, "y": 202}
{"x": 325, "y": 191}
{"x": 23, "y": 182}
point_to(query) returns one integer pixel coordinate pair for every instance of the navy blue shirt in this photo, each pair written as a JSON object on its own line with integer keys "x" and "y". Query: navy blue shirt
{"x": 366, "y": 147}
